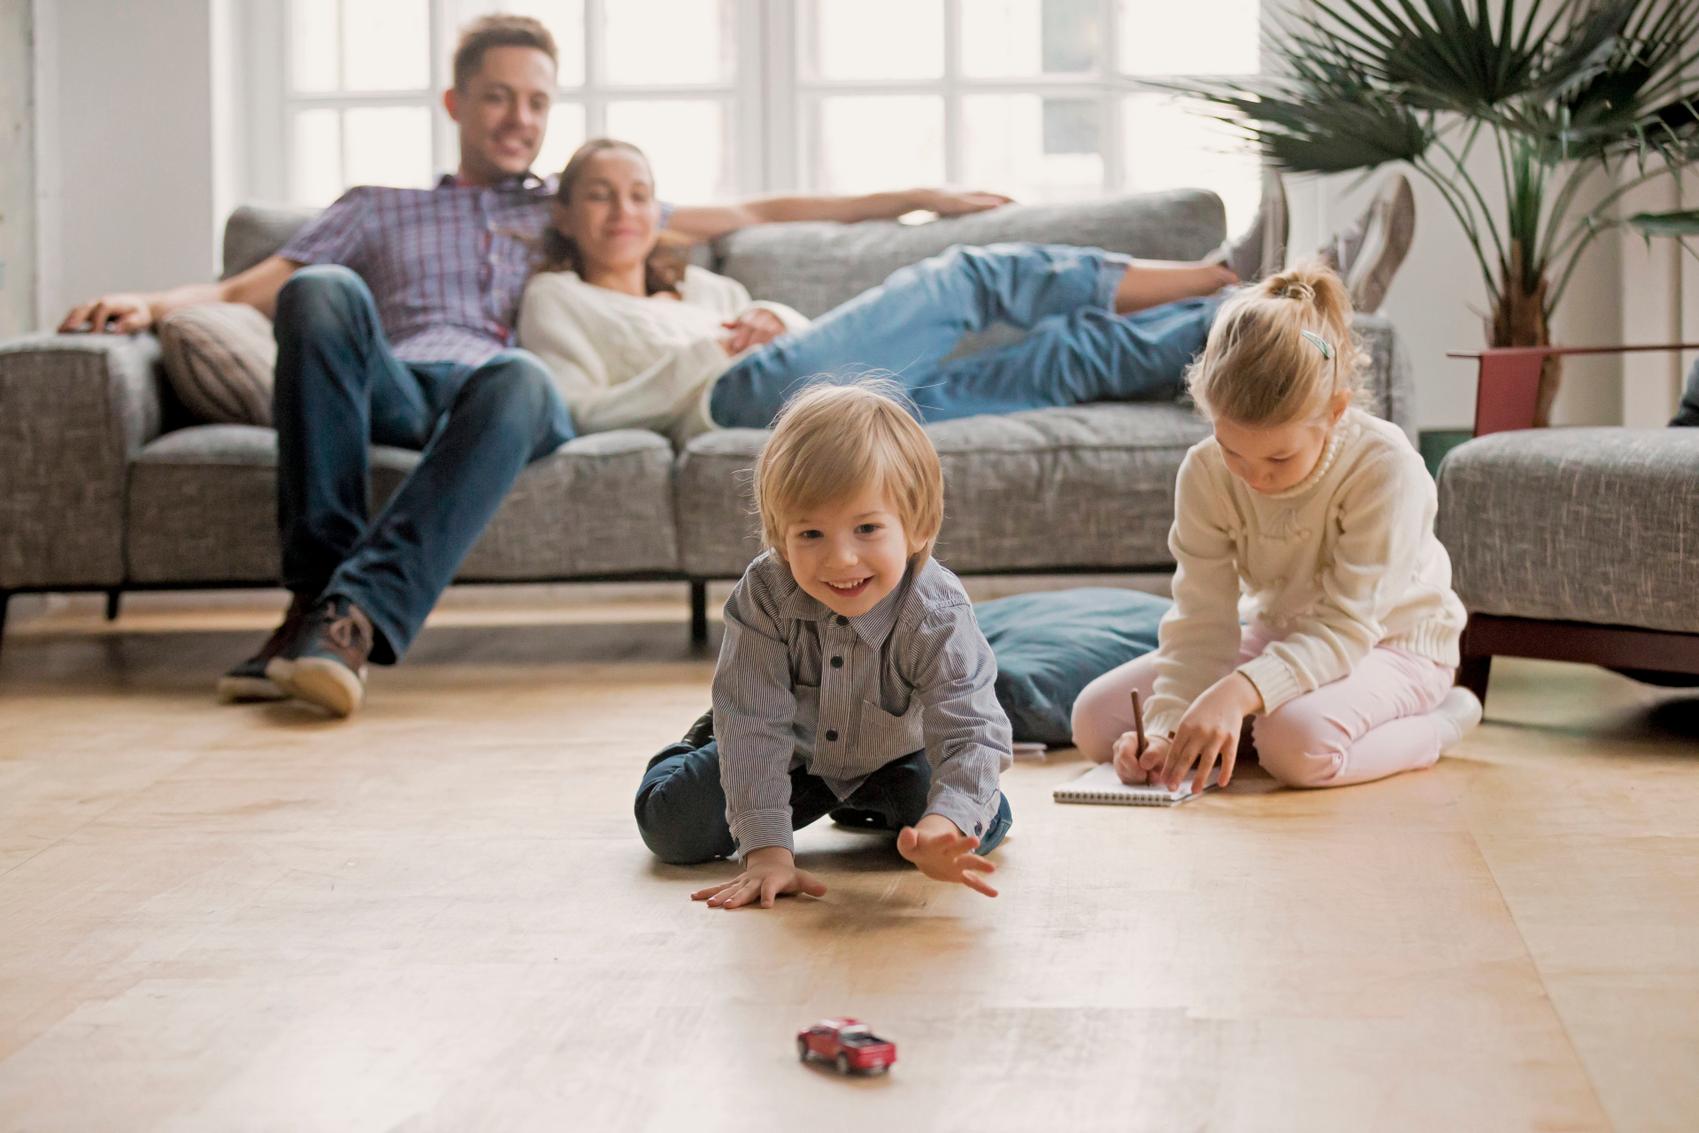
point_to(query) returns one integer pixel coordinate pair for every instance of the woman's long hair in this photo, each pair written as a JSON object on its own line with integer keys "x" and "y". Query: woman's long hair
{"x": 664, "y": 268}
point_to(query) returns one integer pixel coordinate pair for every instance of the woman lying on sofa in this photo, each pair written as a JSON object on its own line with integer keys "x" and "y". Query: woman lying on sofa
{"x": 637, "y": 340}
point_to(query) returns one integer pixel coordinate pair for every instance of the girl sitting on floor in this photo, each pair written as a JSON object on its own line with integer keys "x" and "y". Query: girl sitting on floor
{"x": 1315, "y": 522}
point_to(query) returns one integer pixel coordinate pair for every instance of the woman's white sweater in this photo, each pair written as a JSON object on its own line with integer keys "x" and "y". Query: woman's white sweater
{"x": 624, "y": 362}
{"x": 1329, "y": 569}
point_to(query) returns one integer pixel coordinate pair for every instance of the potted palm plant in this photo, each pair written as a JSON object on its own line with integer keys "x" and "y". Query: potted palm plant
{"x": 1558, "y": 91}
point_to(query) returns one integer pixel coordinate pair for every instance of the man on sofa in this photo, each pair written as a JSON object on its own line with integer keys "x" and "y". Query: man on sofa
{"x": 394, "y": 311}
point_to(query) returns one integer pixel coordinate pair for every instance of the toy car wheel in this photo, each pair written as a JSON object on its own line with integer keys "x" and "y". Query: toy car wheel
{"x": 802, "y": 1050}
{"x": 843, "y": 1064}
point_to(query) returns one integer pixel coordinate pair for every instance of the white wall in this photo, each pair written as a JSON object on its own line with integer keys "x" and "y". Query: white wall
{"x": 128, "y": 187}
{"x": 17, "y": 159}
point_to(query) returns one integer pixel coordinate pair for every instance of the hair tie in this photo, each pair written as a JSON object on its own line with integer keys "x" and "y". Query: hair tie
{"x": 1321, "y": 343}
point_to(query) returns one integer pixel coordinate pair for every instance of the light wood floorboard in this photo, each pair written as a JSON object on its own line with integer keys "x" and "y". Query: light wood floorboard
{"x": 438, "y": 915}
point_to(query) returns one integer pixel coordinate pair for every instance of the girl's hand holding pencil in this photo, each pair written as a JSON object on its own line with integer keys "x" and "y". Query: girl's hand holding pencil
{"x": 1136, "y": 754}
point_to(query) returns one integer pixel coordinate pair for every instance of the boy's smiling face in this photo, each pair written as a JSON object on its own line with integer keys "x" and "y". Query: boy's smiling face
{"x": 851, "y": 553}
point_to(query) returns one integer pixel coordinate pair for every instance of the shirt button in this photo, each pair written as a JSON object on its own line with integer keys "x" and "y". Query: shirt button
{"x": 841, "y": 620}
{"x": 837, "y": 662}
{"x": 831, "y": 735}
{"x": 979, "y": 827}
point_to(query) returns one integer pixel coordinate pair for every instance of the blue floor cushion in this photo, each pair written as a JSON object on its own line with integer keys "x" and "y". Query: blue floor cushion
{"x": 1051, "y": 644}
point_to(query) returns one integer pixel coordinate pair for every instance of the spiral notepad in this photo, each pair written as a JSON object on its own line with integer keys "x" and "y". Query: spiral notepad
{"x": 1102, "y": 785}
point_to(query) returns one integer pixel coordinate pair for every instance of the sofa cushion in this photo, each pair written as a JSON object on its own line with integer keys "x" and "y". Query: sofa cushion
{"x": 1589, "y": 525}
{"x": 815, "y": 266}
{"x": 1051, "y": 644}
{"x": 202, "y": 506}
{"x": 1079, "y": 488}
{"x": 220, "y": 358}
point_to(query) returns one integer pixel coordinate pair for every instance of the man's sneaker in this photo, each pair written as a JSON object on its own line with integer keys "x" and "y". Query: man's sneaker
{"x": 248, "y": 681}
{"x": 1368, "y": 253}
{"x": 1260, "y": 250}
{"x": 327, "y": 666}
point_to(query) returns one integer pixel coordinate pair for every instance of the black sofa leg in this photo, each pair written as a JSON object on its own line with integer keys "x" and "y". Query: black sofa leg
{"x": 1472, "y": 674}
{"x": 5, "y": 600}
{"x": 699, "y": 611}
{"x": 113, "y": 598}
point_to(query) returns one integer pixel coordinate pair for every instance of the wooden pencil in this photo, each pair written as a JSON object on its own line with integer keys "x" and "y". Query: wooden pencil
{"x": 1138, "y": 721}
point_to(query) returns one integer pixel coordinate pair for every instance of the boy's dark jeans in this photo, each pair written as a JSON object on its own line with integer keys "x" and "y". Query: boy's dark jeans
{"x": 681, "y": 809}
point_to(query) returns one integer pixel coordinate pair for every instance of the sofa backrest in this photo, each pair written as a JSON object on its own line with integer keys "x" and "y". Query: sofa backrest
{"x": 814, "y": 266}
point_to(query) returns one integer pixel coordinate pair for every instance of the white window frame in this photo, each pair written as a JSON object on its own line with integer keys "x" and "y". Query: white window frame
{"x": 772, "y": 110}
{"x": 271, "y": 102}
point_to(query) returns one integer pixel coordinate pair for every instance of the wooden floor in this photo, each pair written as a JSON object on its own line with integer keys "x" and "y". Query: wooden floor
{"x": 439, "y": 916}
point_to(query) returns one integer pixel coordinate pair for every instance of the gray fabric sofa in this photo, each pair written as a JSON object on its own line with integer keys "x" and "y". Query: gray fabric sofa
{"x": 104, "y": 487}
{"x": 1571, "y": 544}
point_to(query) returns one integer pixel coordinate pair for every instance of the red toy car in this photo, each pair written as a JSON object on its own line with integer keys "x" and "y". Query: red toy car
{"x": 848, "y": 1044}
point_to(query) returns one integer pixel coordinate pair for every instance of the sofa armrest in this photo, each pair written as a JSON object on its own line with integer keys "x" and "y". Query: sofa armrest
{"x": 1389, "y": 391}
{"x": 74, "y": 410}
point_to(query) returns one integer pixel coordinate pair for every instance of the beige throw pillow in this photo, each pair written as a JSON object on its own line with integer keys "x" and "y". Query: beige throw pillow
{"x": 220, "y": 357}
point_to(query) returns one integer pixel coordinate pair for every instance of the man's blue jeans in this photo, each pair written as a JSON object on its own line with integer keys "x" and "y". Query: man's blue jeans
{"x": 681, "y": 808}
{"x": 1076, "y": 350}
{"x": 340, "y": 389}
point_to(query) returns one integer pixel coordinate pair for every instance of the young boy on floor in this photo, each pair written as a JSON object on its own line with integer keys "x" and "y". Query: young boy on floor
{"x": 853, "y": 679}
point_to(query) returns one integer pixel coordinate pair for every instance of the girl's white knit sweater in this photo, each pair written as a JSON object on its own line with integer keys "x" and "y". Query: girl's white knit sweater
{"x": 1339, "y": 564}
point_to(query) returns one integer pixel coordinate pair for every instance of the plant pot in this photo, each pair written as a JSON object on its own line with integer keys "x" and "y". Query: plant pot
{"x": 1519, "y": 319}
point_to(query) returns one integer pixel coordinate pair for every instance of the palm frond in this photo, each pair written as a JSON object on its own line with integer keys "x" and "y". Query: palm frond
{"x": 1677, "y": 224}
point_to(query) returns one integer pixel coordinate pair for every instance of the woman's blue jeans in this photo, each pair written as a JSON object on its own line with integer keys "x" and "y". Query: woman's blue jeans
{"x": 1076, "y": 350}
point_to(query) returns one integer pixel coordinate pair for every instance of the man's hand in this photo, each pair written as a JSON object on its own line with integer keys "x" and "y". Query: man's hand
{"x": 1209, "y": 731}
{"x": 944, "y": 853}
{"x": 753, "y": 327}
{"x": 122, "y": 312}
{"x": 768, "y": 873}
{"x": 956, "y": 202}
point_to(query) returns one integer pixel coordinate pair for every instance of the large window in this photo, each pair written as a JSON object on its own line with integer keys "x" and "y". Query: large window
{"x": 1037, "y": 98}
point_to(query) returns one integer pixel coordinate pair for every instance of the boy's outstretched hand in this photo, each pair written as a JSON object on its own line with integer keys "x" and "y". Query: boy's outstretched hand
{"x": 768, "y": 873}
{"x": 944, "y": 853}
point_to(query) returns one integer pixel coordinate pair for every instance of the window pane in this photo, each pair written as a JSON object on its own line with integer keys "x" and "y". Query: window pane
{"x": 877, "y": 39}
{"x": 388, "y": 145}
{"x": 879, "y": 141}
{"x": 1030, "y": 37}
{"x": 686, "y": 145}
{"x": 696, "y": 47}
{"x": 563, "y": 18}
{"x": 1196, "y": 37}
{"x": 315, "y": 172}
{"x": 386, "y": 45}
{"x": 1033, "y": 147}
{"x": 565, "y": 134}
{"x": 1169, "y": 147}
{"x": 313, "y": 45}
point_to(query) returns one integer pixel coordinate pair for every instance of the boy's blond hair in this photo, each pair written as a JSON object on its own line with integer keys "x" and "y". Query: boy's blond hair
{"x": 1280, "y": 351}
{"x": 834, "y": 439}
